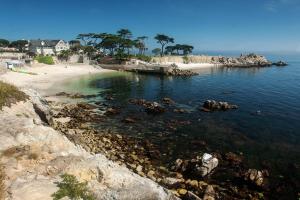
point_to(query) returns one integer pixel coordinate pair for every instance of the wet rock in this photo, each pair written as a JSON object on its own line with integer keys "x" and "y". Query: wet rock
{"x": 180, "y": 111}
{"x": 109, "y": 98}
{"x": 192, "y": 183}
{"x": 191, "y": 196}
{"x": 175, "y": 71}
{"x": 168, "y": 101}
{"x": 233, "y": 158}
{"x": 140, "y": 102}
{"x": 129, "y": 120}
{"x": 172, "y": 182}
{"x": 76, "y": 95}
{"x": 212, "y": 105}
{"x": 254, "y": 176}
{"x": 154, "y": 108}
{"x": 62, "y": 94}
{"x": 208, "y": 163}
{"x": 280, "y": 64}
{"x": 209, "y": 193}
{"x": 112, "y": 111}
{"x": 182, "y": 191}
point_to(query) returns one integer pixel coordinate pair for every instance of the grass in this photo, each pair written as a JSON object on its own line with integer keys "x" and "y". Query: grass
{"x": 70, "y": 187}
{"x": 144, "y": 58}
{"x": 45, "y": 59}
{"x": 10, "y": 94}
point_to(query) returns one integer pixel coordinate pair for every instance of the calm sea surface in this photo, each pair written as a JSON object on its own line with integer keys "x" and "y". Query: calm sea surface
{"x": 265, "y": 128}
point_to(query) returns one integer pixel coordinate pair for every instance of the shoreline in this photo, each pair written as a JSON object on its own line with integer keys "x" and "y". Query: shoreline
{"x": 54, "y": 154}
{"x": 47, "y": 75}
{"x": 71, "y": 121}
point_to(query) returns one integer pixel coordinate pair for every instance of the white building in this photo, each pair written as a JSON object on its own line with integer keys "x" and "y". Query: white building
{"x": 47, "y": 47}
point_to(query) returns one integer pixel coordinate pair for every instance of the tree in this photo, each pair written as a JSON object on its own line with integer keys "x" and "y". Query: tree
{"x": 156, "y": 51}
{"x": 19, "y": 44}
{"x": 163, "y": 40}
{"x": 89, "y": 51}
{"x": 74, "y": 43}
{"x": 170, "y": 50}
{"x": 85, "y": 37}
{"x": 140, "y": 44}
{"x": 187, "y": 49}
{"x": 65, "y": 55}
{"x": 110, "y": 42}
{"x": 4, "y": 43}
{"x": 124, "y": 33}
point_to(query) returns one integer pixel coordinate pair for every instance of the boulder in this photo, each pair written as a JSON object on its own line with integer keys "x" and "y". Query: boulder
{"x": 280, "y": 64}
{"x": 255, "y": 176}
{"x": 154, "y": 108}
{"x": 208, "y": 163}
{"x": 212, "y": 105}
{"x": 209, "y": 193}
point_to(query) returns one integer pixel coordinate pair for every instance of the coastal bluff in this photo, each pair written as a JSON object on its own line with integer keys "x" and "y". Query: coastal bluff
{"x": 34, "y": 156}
{"x": 248, "y": 60}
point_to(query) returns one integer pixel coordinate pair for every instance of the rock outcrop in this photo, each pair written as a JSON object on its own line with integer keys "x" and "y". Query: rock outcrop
{"x": 212, "y": 105}
{"x": 280, "y": 64}
{"x": 34, "y": 156}
{"x": 250, "y": 60}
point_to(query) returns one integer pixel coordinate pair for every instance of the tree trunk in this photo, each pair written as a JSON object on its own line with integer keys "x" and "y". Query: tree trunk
{"x": 162, "y": 50}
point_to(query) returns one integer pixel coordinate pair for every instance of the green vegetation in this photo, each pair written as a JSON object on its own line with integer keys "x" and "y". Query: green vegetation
{"x": 163, "y": 40}
{"x": 19, "y": 44}
{"x": 156, "y": 51}
{"x": 64, "y": 55}
{"x": 4, "y": 43}
{"x": 185, "y": 59}
{"x": 45, "y": 59}
{"x": 175, "y": 50}
{"x": 9, "y": 94}
{"x": 72, "y": 188}
{"x": 143, "y": 57}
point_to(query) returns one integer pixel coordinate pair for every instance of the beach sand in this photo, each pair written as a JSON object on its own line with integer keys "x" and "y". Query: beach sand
{"x": 47, "y": 75}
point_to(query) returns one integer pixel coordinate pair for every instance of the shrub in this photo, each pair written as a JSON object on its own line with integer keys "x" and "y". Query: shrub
{"x": 45, "y": 59}
{"x": 9, "y": 94}
{"x": 72, "y": 188}
{"x": 185, "y": 60}
{"x": 144, "y": 58}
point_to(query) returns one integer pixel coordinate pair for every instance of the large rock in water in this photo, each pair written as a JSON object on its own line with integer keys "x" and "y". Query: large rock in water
{"x": 212, "y": 105}
{"x": 280, "y": 64}
{"x": 250, "y": 60}
{"x": 208, "y": 164}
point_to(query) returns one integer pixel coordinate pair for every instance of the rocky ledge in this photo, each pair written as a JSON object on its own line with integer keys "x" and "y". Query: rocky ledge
{"x": 175, "y": 71}
{"x": 34, "y": 155}
{"x": 250, "y": 60}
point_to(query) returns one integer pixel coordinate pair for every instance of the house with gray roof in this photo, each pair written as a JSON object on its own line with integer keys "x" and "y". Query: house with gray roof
{"x": 47, "y": 47}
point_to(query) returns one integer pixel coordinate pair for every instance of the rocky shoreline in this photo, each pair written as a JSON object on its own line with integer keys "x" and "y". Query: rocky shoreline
{"x": 186, "y": 178}
{"x": 34, "y": 155}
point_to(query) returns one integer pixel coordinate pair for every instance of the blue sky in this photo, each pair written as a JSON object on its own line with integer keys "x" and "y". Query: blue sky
{"x": 240, "y": 25}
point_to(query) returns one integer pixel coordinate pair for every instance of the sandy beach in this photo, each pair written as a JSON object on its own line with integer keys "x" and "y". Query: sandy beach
{"x": 47, "y": 75}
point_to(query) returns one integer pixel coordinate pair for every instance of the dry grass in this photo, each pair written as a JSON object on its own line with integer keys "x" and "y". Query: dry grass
{"x": 9, "y": 94}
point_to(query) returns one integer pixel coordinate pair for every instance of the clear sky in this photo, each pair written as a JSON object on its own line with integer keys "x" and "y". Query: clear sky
{"x": 243, "y": 25}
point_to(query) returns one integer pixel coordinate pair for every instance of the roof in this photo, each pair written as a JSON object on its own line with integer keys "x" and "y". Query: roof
{"x": 48, "y": 43}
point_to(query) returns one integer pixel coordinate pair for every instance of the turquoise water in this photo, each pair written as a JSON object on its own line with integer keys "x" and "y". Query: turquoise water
{"x": 265, "y": 128}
